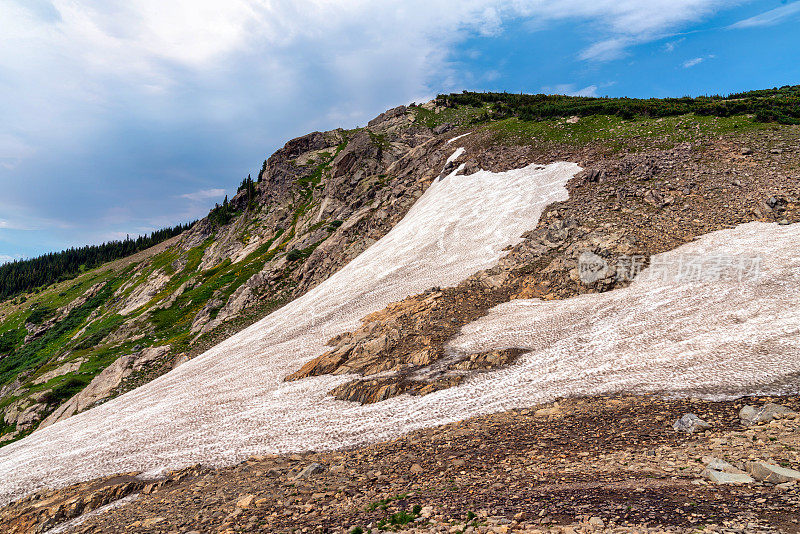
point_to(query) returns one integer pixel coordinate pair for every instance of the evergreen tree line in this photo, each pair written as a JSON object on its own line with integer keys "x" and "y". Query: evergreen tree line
{"x": 23, "y": 275}
{"x": 769, "y": 105}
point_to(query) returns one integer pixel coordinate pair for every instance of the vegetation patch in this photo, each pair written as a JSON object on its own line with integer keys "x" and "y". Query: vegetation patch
{"x": 770, "y": 105}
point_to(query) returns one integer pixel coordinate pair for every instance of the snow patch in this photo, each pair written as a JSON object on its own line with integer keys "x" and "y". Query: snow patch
{"x": 715, "y": 336}
{"x": 457, "y": 137}
{"x": 231, "y": 402}
{"x": 454, "y": 156}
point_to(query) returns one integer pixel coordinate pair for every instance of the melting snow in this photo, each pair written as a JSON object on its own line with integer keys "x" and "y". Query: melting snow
{"x": 713, "y": 337}
{"x": 454, "y": 156}
{"x": 231, "y": 402}
{"x": 725, "y": 333}
{"x": 456, "y": 138}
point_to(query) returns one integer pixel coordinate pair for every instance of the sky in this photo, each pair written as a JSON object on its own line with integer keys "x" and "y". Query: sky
{"x": 121, "y": 117}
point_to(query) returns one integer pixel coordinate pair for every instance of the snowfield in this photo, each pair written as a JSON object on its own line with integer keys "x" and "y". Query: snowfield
{"x": 231, "y": 402}
{"x": 722, "y": 335}
{"x": 723, "y": 326}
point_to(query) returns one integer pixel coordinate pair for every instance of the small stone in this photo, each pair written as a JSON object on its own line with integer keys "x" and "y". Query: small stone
{"x": 245, "y": 501}
{"x": 596, "y": 521}
{"x": 310, "y": 470}
{"x": 151, "y": 522}
{"x": 690, "y": 423}
{"x": 416, "y": 468}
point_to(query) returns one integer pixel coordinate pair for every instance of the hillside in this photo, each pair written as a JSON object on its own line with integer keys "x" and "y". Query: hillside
{"x": 427, "y": 268}
{"x": 319, "y": 202}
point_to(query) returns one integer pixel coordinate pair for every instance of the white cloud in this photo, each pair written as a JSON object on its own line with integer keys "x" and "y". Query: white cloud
{"x": 696, "y": 61}
{"x": 6, "y": 225}
{"x": 5, "y": 258}
{"x": 84, "y": 81}
{"x": 569, "y": 89}
{"x": 204, "y": 194}
{"x": 768, "y": 18}
{"x": 692, "y": 62}
{"x": 672, "y": 45}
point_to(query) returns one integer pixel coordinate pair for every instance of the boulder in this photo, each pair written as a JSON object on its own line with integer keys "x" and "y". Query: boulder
{"x": 310, "y": 470}
{"x": 772, "y": 473}
{"x": 690, "y": 423}
{"x": 721, "y": 477}
{"x": 721, "y": 465}
{"x": 752, "y": 415}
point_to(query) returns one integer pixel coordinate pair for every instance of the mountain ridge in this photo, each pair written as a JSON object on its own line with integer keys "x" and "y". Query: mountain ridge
{"x": 648, "y": 185}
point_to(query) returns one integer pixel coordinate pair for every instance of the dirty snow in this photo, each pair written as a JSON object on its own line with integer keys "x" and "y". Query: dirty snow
{"x": 231, "y": 402}
{"x": 717, "y": 336}
{"x": 730, "y": 330}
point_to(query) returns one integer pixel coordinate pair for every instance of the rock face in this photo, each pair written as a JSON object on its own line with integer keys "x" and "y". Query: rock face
{"x": 68, "y": 367}
{"x": 105, "y": 383}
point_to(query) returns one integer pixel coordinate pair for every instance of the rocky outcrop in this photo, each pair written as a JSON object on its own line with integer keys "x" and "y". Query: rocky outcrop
{"x": 68, "y": 367}
{"x": 753, "y": 415}
{"x": 622, "y": 209}
{"x": 143, "y": 292}
{"x": 105, "y": 383}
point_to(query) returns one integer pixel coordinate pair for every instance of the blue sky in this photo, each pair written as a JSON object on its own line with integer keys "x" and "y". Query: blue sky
{"x": 122, "y": 117}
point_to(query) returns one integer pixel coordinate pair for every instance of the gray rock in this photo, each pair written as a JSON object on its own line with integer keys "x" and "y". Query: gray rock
{"x": 442, "y": 128}
{"x": 752, "y": 415}
{"x": 310, "y": 470}
{"x": 721, "y": 477}
{"x": 690, "y": 423}
{"x": 716, "y": 464}
{"x": 772, "y": 473}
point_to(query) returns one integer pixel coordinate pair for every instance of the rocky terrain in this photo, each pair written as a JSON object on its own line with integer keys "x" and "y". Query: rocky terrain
{"x": 577, "y": 465}
{"x": 611, "y": 464}
{"x": 625, "y": 207}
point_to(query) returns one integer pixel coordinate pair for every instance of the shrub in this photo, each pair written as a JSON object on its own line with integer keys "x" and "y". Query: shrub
{"x": 40, "y": 314}
{"x": 294, "y": 255}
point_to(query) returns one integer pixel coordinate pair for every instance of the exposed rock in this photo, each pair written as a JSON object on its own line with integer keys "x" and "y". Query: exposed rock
{"x": 752, "y": 415}
{"x": 245, "y": 501}
{"x": 399, "y": 111}
{"x": 721, "y": 465}
{"x": 144, "y": 292}
{"x": 721, "y": 477}
{"x": 105, "y": 383}
{"x": 23, "y": 413}
{"x": 690, "y": 423}
{"x": 68, "y": 367}
{"x": 772, "y": 473}
{"x": 310, "y": 470}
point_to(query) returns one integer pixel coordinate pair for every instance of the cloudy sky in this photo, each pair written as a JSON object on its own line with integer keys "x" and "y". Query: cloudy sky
{"x": 119, "y": 117}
